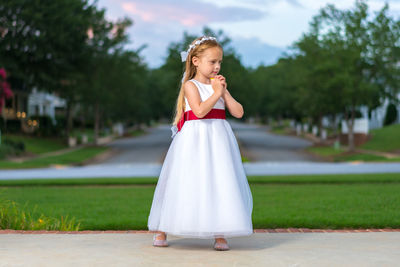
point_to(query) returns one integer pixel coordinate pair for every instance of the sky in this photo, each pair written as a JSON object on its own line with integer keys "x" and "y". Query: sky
{"x": 260, "y": 30}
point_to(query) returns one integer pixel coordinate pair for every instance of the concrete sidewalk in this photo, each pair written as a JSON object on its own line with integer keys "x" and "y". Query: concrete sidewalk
{"x": 153, "y": 170}
{"x": 259, "y": 249}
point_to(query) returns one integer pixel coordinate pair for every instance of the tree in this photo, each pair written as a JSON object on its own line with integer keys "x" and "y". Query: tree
{"x": 5, "y": 92}
{"x": 106, "y": 40}
{"x": 320, "y": 61}
{"x": 384, "y": 55}
{"x": 353, "y": 60}
{"x": 275, "y": 89}
{"x": 43, "y": 40}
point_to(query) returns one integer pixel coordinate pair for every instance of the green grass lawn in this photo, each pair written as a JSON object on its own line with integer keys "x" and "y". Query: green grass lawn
{"x": 278, "y": 179}
{"x": 326, "y": 150}
{"x": 340, "y": 155}
{"x": 135, "y": 133}
{"x": 88, "y": 131}
{"x": 365, "y": 157}
{"x": 310, "y": 201}
{"x": 384, "y": 139}
{"x": 281, "y": 131}
{"x": 72, "y": 157}
{"x": 37, "y": 145}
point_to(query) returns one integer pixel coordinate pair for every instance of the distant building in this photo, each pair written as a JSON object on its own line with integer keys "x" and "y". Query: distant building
{"x": 22, "y": 105}
{"x": 378, "y": 115}
{"x": 42, "y": 103}
{"x": 16, "y": 106}
{"x": 363, "y": 125}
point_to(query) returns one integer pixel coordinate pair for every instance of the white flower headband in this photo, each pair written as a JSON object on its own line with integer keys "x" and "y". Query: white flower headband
{"x": 184, "y": 54}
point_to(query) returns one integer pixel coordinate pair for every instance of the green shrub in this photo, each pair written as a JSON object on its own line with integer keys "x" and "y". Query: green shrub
{"x": 60, "y": 125}
{"x": 6, "y": 150}
{"x": 17, "y": 145}
{"x": 13, "y": 126}
{"x": 11, "y": 148}
{"x": 391, "y": 114}
{"x": 46, "y": 127}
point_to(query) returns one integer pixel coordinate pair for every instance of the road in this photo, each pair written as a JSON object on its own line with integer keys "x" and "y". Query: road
{"x": 256, "y": 143}
{"x": 148, "y": 148}
{"x": 259, "y": 145}
{"x": 143, "y": 157}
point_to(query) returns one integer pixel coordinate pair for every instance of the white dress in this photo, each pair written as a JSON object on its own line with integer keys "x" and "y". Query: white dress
{"x": 202, "y": 190}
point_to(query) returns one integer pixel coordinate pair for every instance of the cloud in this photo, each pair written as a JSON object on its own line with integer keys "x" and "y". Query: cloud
{"x": 255, "y": 4}
{"x": 275, "y": 24}
{"x": 254, "y": 52}
{"x": 259, "y": 2}
{"x": 157, "y": 38}
{"x": 188, "y": 13}
{"x": 160, "y": 22}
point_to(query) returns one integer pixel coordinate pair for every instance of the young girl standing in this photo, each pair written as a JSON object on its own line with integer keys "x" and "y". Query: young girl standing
{"x": 202, "y": 190}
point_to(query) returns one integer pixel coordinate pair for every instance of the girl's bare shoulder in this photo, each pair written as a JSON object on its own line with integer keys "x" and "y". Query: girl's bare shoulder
{"x": 191, "y": 91}
{"x": 189, "y": 83}
{"x": 189, "y": 86}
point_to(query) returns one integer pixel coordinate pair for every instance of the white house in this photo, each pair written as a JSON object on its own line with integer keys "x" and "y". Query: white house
{"x": 43, "y": 103}
{"x": 378, "y": 115}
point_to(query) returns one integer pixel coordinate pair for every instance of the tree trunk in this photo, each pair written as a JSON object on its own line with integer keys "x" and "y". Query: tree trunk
{"x": 68, "y": 126}
{"x": 279, "y": 120}
{"x": 96, "y": 122}
{"x": 320, "y": 125}
{"x": 4, "y": 119}
{"x": 350, "y": 127}
{"x": 335, "y": 126}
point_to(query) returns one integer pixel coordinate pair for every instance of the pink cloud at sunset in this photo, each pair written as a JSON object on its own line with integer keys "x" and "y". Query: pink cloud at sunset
{"x": 187, "y": 13}
{"x": 260, "y": 29}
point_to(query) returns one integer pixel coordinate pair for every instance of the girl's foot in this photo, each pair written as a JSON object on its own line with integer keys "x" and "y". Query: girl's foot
{"x": 221, "y": 244}
{"x": 159, "y": 240}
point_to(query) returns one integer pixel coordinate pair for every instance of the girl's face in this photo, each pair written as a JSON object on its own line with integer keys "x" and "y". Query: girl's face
{"x": 209, "y": 63}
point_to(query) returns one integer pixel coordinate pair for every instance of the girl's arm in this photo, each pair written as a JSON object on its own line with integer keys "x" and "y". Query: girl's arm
{"x": 234, "y": 107}
{"x": 200, "y": 108}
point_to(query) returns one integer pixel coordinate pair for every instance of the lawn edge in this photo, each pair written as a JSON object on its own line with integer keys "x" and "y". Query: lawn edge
{"x": 268, "y": 230}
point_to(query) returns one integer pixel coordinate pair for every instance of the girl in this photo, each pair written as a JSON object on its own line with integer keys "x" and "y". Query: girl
{"x": 202, "y": 190}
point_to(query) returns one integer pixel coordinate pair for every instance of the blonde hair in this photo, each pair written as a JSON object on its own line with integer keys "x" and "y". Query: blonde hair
{"x": 190, "y": 72}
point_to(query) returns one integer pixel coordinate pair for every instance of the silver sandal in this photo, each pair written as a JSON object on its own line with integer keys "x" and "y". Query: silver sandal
{"x": 159, "y": 243}
{"x": 220, "y": 246}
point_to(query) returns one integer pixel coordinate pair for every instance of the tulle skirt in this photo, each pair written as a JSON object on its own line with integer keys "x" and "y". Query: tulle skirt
{"x": 202, "y": 190}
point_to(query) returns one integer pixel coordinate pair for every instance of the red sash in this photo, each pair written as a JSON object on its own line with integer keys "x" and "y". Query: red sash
{"x": 214, "y": 113}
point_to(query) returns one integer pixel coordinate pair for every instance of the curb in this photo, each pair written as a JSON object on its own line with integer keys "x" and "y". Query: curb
{"x": 276, "y": 230}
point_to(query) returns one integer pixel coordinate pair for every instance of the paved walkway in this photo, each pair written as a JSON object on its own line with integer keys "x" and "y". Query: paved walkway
{"x": 259, "y": 249}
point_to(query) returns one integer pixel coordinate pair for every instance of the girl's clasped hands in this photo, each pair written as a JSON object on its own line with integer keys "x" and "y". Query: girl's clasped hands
{"x": 218, "y": 83}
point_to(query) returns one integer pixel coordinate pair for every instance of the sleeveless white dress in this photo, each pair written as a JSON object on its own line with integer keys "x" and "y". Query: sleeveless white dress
{"x": 202, "y": 190}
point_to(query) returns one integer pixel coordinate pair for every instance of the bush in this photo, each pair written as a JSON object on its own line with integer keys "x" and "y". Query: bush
{"x": 13, "y": 126}
{"x": 11, "y": 148}
{"x": 5, "y": 150}
{"x": 61, "y": 123}
{"x": 46, "y": 127}
{"x": 17, "y": 145}
{"x": 391, "y": 114}
{"x": 357, "y": 114}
